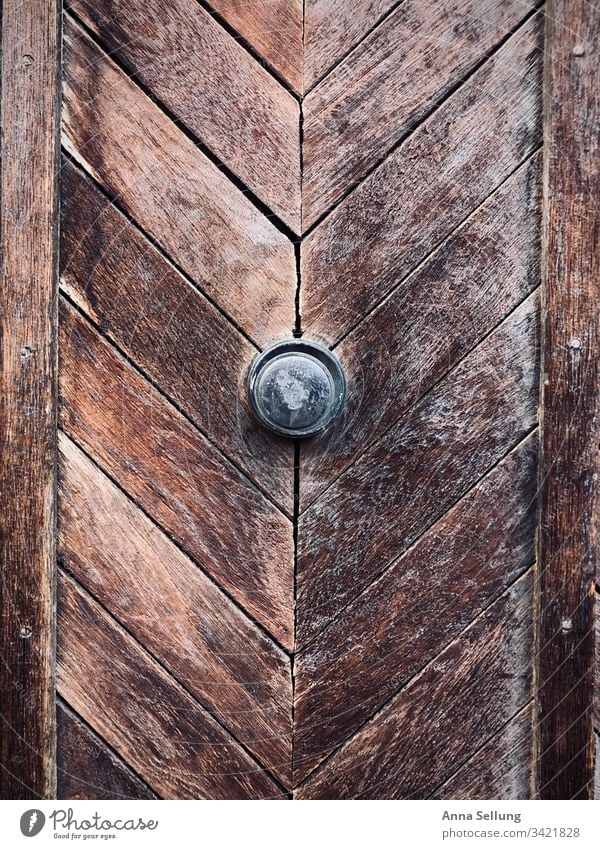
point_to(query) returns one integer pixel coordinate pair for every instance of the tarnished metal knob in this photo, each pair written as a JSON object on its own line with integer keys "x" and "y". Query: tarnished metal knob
{"x": 296, "y": 388}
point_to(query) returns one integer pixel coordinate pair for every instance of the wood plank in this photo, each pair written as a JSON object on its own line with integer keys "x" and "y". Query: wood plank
{"x": 425, "y": 189}
{"x": 417, "y": 471}
{"x": 570, "y": 503}
{"x": 28, "y": 284}
{"x": 597, "y": 778}
{"x": 160, "y": 178}
{"x": 332, "y": 28}
{"x": 597, "y": 673}
{"x": 405, "y": 619}
{"x": 212, "y": 86}
{"x": 150, "y": 721}
{"x": 201, "y": 637}
{"x": 164, "y": 464}
{"x": 439, "y": 313}
{"x": 87, "y": 769}
{"x": 167, "y": 328}
{"x": 499, "y": 770}
{"x": 399, "y": 73}
{"x": 274, "y": 29}
{"x": 430, "y": 728}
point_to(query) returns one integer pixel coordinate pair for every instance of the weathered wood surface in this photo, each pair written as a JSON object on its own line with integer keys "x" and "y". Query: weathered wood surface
{"x": 425, "y": 189}
{"x": 175, "y": 611}
{"x": 597, "y": 675}
{"x": 164, "y": 464}
{"x": 274, "y": 29}
{"x": 570, "y": 462}
{"x": 175, "y": 193}
{"x": 437, "y": 44}
{"x": 149, "y": 719}
{"x": 460, "y": 700}
{"x": 28, "y": 284}
{"x": 597, "y": 778}
{"x": 425, "y": 273}
{"x": 417, "y": 471}
{"x": 482, "y": 272}
{"x": 332, "y": 28}
{"x": 86, "y": 767}
{"x": 499, "y": 770}
{"x": 405, "y": 619}
{"x": 175, "y": 336}
{"x": 212, "y": 86}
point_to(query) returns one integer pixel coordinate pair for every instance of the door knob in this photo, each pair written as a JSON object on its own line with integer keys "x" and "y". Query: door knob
{"x": 296, "y": 388}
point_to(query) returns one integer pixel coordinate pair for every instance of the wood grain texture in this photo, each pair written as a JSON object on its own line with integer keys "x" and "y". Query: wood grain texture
{"x": 87, "y": 769}
{"x": 212, "y": 86}
{"x": 499, "y": 770}
{"x": 28, "y": 284}
{"x": 332, "y": 28}
{"x": 180, "y": 340}
{"x": 597, "y": 674}
{"x": 570, "y": 464}
{"x": 160, "y": 178}
{"x": 425, "y": 189}
{"x": 417, "y": 471}
{"x": 437, "y": 44}
{"x": 164, "y": 464}
{"x": 465, "y": 288}
{"x": 274, "y": 29}
{"x": 405, "y": 619}
{"x": 459, "y": 701}
{"x": 175, "y": 611}
{"x": 149, "y": 719}
{"x": 597, "y": 778}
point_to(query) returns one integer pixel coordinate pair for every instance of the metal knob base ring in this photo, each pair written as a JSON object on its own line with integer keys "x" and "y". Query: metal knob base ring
{"x": 296, "y": 388}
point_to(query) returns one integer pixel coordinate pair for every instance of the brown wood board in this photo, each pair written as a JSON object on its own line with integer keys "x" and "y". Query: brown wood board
{"x": 175, "y": 193}
{"x": 422, "y": 466}
{"x": 438, "y": 44}
{"x": 570, "y": 414}
{"x": 172, "y": 333}
{"x": 459, "y": 701}
{"x": 212, "y": 87}
{"x": 28, "y": 286}
{"x": 149, "y": 719}
{"x": 424, "y": 189}
{"x": 175, "y": 611}
{"x": 164, "y": 464}
{"x": 87, "y": 768}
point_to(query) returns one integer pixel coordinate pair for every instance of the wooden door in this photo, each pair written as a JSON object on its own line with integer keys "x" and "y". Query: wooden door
{"x": 359, "y": 615}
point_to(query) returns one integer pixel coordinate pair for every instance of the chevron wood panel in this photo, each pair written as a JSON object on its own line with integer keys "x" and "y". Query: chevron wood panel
{"x": 176, "y": 475}
{"x": 422, "y": 466}
{"x": 428, "y": 186}
{"x": 438, "y": 43}
{"x": 274, "y": 28}
{"x": 264, "y": 619}
{"x": 366, "y": 654}
{"x": 148, "y": 717}
{"x": 213, "y": 87}
{"x": 470, "y": 691}
{"x": 431, "y": 322}
{"x": 87, "y": 768}
{"x": 333, "y": 27}
{"x": 161, "y": 322}
{"x": 180, "y": 198}
{"x": 199, "y": 634}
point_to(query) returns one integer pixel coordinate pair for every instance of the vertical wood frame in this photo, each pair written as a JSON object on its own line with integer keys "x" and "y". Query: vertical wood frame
{"x": 569, "y": 468}
{"x": 30, "y": 74}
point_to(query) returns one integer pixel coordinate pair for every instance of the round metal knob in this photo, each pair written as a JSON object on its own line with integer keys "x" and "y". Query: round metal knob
{"x": 296, "y": 388}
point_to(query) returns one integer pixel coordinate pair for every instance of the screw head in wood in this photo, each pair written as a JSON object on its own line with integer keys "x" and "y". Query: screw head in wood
{"x": 296, "y": 388}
